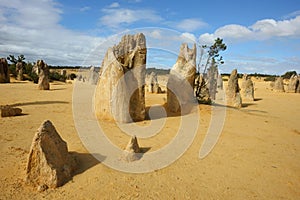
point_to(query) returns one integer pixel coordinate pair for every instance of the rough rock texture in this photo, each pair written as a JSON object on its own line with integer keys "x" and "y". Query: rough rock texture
{"x": 247, "y": 89}
{"x": 120, "y": 92}
{"x": 212, "y": 76}
{"x": 233, "y": 91}
{"x": 49, "y": 163}
{"x": 220, "y": 82}
{"x": 19, "y": 70}
{"x": 132, "y": 150}
{"x": 293, "y": 84}
{"x": 278, "y": 85}
{"x": 93, "y": 76}
{"x": 153, "y": 86}
{"x": 43, "y": 69}
{"x": 180, "y": 95}
{"x": 9, "y": 111}
{"x": 4, "y": 72}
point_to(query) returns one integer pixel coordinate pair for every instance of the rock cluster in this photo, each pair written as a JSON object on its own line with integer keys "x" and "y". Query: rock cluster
{"x": 153, "y": 85}
{"x": 120, "y": 92}
{"x": 49, "y": 163}
{"x": 4, "y": 72}
{"x": 180, "y": 95}
{"x": 233, "y": 96}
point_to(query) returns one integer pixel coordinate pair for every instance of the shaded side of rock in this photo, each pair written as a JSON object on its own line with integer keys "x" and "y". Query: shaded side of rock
{"x": 202, "y": 91}
{"x": 4, "y": 71}
{"x": 233, "y": 96}
{"x": 293, "y": 84}
{"x": 49, "y": 163}
{"x": 120, "y": 92}
{"x": 180, "y": 95}
{"x": 9, "y": 111}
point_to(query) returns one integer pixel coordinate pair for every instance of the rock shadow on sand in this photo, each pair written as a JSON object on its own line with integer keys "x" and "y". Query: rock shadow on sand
{"x": 86, "y": 161}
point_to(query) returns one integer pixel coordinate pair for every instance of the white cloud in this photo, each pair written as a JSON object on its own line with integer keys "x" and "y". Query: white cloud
{"x": 188, "y": 37}
{"x": 291, "y": 15}
{"x": 33, "y": 29}
{"x": 85, "y": 8}
{"x": 114, "y": 5}
{"x": 116, "y": 17}
{"x": 261, "y": 30}
{"x": 190, "y": 24}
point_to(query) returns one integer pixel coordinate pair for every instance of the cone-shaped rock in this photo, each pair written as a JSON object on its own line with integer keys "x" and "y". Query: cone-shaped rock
{"x": 132, "y": 149}
{"x": 120, "y": 92}
{"x": 49, "y": 164}
{"x": 233, "y": 91}
{"x": 180, "y": 93}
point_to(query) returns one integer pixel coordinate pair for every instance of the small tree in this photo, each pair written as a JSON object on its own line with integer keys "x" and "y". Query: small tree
{"x": 213, "y": 59}
{"x": 12, "y": 59}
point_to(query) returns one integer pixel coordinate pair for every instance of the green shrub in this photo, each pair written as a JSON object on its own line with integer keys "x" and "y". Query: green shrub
{"x": 55, "y": 76}
{"x": 289, "y": 74}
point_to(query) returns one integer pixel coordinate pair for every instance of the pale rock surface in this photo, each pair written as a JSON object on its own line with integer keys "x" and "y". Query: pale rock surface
{"x": 233, "y": 91}
{"x": 132, "y": 150}
{"x": 293, "y": 84}
{"x": 278, "y": 85}
{"x": 180, "y": 95}
{"x": 120, "y": 92}
{"x": 43, "y": 70}
{"x": 19, "y": 70}
{"x": 49, "y": 163}
{"x": 93, "y": 76}
{"x": 247, "y": 89}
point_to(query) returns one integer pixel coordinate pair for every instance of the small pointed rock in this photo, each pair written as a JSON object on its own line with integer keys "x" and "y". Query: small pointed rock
{"x": 49, "y": 163}
{"x": 132, "y": 149}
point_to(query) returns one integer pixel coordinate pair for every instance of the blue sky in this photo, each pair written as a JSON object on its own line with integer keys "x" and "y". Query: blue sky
{"x": 262, "y": 36}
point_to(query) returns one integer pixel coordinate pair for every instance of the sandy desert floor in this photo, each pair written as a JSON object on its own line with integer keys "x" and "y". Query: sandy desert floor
{"x": 257, "y": 155}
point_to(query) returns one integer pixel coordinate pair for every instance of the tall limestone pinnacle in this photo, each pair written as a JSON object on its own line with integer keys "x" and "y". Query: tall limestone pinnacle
{"x": 120, "y": 92}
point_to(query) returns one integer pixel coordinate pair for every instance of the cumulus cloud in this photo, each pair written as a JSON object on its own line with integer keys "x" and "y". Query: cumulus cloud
{"x": 261, "y": 30}
{"x": 188, "y": 37}
{"x": 190, "y": 24}
{"x": 33, "y": 29}
{"x": 115, "y": 17}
